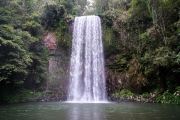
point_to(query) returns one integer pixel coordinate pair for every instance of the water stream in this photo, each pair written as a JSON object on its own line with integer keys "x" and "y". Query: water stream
{"x": 87, "y": 79}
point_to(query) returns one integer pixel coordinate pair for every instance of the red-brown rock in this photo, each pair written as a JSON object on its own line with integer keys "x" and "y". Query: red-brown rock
{"x": 49, "y": 41}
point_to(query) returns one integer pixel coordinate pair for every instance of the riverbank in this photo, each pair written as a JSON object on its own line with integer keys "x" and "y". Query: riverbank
{"x": 161, "y": 96}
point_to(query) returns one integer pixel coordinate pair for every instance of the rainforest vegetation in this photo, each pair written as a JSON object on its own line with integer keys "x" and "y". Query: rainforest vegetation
{"x": 141, "y": 46}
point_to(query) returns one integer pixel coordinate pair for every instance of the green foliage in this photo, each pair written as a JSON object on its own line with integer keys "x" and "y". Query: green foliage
{"x": 15, "y": 95}
{"x": 14, "y": 41}
{"x": 116, "y": 95}
{"x": 169, "y": 98}
{"x": 146, "y": 95}
{"x": 52, "y": 16}
{"x": 178, "y": 88}
{"x": 126, "y": 93}
{"x": 11, "y": 98}
{"x": 32, "y": 24}
{"x": 63, "y": 35}
{"x": 25, "y": 94}
{"x": 55, "y": 18}
{"x": 159, "y": 98}
{"x": 19, "y": 54}
{"x": 22, "y": 55}
{"x": 136, "y": 78}
{"x": 110, "y": 42}
{"x": 144, "y": 36}
{"x": 101, "y": 6}
{"x": 148, "y": 42}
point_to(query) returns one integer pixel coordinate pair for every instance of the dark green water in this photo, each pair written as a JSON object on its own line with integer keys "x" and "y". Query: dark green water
{"x": 89, "y": 111}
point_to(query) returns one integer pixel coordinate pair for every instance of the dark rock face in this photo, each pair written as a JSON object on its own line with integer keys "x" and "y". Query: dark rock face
{"x": 115, "y": 81}
{"x": 58, "y": 69}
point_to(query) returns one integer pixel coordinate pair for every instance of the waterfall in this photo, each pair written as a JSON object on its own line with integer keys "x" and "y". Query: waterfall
{"x": 87, "y": 79}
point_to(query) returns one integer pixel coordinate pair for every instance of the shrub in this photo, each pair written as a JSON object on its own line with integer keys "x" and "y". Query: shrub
{"x": 168, "y": 97}
{"x": 126, "y": 93}
{"x": 178, "y": 88}
{"x": 146, "y": 95}
{"x": 25, "y": 95}
{"x": 116, "y": 94}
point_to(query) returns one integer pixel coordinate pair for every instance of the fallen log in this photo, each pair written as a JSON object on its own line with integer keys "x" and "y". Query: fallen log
{"x": 153, "y": 97}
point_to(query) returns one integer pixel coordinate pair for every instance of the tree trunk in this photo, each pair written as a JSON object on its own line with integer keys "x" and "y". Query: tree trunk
{"x": 153, "y": 97}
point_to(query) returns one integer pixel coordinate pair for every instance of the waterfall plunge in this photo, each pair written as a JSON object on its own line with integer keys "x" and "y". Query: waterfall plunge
{"x": 87, "y": 79}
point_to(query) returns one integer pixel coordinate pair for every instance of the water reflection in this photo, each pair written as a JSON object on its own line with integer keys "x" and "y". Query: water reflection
{"x": 86, "y": 111}
{"x": 123, "y": 111}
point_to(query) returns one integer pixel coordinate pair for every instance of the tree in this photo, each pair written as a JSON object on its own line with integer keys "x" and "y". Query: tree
{"x": 20, "y": 33}
{"x": 148, "y": 34}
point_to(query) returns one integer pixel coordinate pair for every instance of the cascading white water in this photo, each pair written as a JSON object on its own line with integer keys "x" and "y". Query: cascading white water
{"x": 87, "y": 79}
